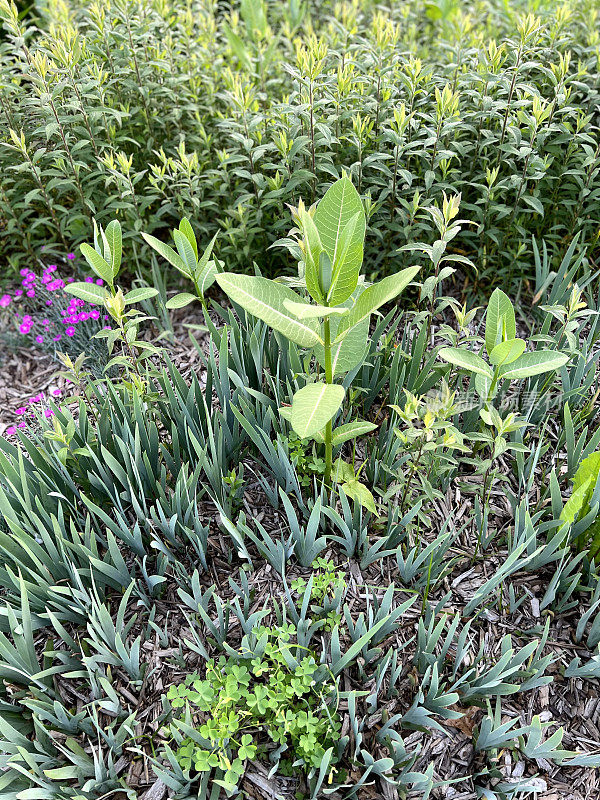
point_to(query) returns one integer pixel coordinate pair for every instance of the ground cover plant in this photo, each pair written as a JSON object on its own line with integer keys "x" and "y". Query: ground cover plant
{"x": 300, "y": 461}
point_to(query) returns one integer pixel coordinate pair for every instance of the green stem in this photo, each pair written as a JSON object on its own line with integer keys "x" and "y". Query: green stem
{"x": 328, "y": 379}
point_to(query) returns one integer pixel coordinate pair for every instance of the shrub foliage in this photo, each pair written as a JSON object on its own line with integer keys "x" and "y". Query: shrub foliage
{"x": 152, "y": 111}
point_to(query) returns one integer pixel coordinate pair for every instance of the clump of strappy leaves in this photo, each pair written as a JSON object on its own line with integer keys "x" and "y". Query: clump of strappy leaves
{"x": 271, "y": 693}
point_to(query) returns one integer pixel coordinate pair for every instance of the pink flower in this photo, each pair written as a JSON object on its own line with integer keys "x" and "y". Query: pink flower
{"x": 57, "y": 338}
{"x": 71, "y": 256}
{"x": 56, "y": 392}
{"x": 5, "y": 300}
{"x": 24, "y": 328}
{"x": 18, "y": 292}
{"x": 39, "y": 339}
{"x": 70, "y": 331}
{"x": 11, "y": 430}
{"x": 48, "y": 412}
{"x": 88, "y": 279}
{"x": 48, "y": 302}
{"x": 95, "y": 314}
{"x": 99, "y": 281}
{"x": 83, "y": 316}
{"x": 51, "y": 268}
{"x": 21, "y": 410}
{"x": 31, "y": 293}
{"x": 24, "y": 271}
{"x": 37, "y": 399}
{"x": 22, "y": 425}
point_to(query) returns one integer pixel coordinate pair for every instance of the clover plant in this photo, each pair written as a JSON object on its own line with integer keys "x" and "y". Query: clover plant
{"x": 329, "y": 317}
{"x": 272, "y": 689}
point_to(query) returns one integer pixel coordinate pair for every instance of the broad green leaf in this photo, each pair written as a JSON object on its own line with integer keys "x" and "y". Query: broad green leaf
{"x": 589, "y": 468}
{"x": 186, "y": 228}
{"x": 507, "y": 352}
{"x": 534, "y": 363}
{"x": 577, "y": 503}
{"x": 360, "y": 494}
{"x": 374, "y": 297}
{"x": 351, "y": 430}
{"x": 97, "y": 263}
{"x": 342, "y": 471}
{"x": 306, "y": 311}
{"x": 314, "y": 405}
{"x": 466, "y": 359}
{"x": 89, "y": 292}
{"x": 203, "y": 262}
{"x": 349, "y": 351}
{"x": 180, "y": 300}
{"x": 114, "y": 237}
{"x": 500, "y": 322}
{"x": 286, "y": 412}
{"x": 207, "y": 277}
{"x": 346, "y": 267}
{"x": 167, "y": 253}
{"x": 483, "y": 385}
{"x": 264, "y": 299}
{"x": 186, "y": 251}
{"x": 137, "y": 295}
{"x": 312, "y": 255}
{"x": 339, "y": 205}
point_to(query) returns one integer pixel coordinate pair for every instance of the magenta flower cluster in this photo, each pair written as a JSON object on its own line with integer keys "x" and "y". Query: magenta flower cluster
{"x": 30, "y": 411}
{"x": 63, "y": 312}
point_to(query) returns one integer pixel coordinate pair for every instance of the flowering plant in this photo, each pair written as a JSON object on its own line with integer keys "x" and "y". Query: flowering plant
{"x": 48, "y": 316}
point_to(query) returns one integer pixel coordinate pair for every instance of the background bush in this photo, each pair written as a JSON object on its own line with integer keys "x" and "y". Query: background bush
{"x": 228, "y": 112}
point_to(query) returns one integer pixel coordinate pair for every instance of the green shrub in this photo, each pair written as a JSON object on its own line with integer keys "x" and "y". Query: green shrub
{"x": 149, "y": 112}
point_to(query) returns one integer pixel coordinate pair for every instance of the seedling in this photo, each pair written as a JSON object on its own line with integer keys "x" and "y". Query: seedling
{"x": 201, "y": 271}
{"x": 335, "y": 325}
{"x": 105, "y": 259}
{"x": 506, "y": 352}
